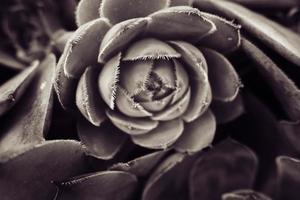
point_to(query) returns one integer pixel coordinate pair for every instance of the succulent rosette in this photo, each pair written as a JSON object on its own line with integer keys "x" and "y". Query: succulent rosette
{"x": 146, "y": 71}
{"x": 162, "y": 75}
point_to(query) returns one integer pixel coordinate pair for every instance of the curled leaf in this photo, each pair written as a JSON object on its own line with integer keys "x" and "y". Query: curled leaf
{"x": 82, "y": 48}
{"x": 88, "y": 98}
{"x": 198, "y": 134}
{"x": 180, "y": 22}
{"x": 175, "y": 110}
{"x": 223, "y": 78}
{"x": 150, "y": 49}
{"x": 126, "y": 104}
{"x": 119, "y": 36}
{"x": 163, "y": 136}
{"x": 225, "y": 39}
{"x": 132, "y": 126}
{"x": 108, "y": 79}
{"x": 121, "y": 10}
{"x": 134, "y": 75}
{"x": 102, "y": 142}
{"x": 87, "y": 10}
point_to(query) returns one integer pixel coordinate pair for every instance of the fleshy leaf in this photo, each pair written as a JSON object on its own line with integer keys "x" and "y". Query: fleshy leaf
{"x": 157, "y": 105}
{"x": 268, "y": 4}
{"x": 200, "y": 88}
{"x": 21, "y": 128}
{"x": 12, "y": 90}
{"x": 180, "y": 22}
{"x": 110, "y": 185}
{"x": 157, "y": 183}
{"x": 108, "y": 79}
{"x": 126, "y": 104}
{"x": 141, "y": 166}
{"x": 180, "y": 2}
{"x": 282, "y": 40}
{"x": 190, "y": 54}
{"x": 132, "y": 126}
{"x": 150, "y": 49}
{"x": 223, "y": 78}
{"x": 244, "y": 195}
{"x": 82, "y": 48}
{"x": 133, "y": 75}
{"x": 102, "y": 142}
{"x": 87, "y": 10}
{"x": 291, "y": 132}
{"x": 228, "y": 160}
{"x": 284, "y": 88}
{"x": 65, "y": 87}
{"x": 175, "y": 110}
{"x": 165, "y": 71}
{"x": 120, "y": 10}
{"x": 225, "y": 39}
{"x": 88, "y": 99}
{"x": 60, "y": 39}
{"x": 119, "y": 36}
{"x": 163, "y": 136}
{"x": 288, "y": 177}
{"x": 29, "y": 175}
{"x": 198, "y": 134}
{"x": 227, "y": 111}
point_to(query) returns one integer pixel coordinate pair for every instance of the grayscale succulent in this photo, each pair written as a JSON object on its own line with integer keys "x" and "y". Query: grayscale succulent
{"x": 160, "y": 99}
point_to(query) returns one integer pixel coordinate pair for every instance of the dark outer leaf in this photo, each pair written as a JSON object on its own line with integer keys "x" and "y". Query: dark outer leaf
{"x": 141, "y": 166}
{"x": 258, "y": 129}
{"x": 291, "y": 130}
{"x": 228, "y": 111}
{"x": 29, "y": 175}
{"x": 244, "y": 195}
{"x": 28, "y": 122}
{"x": 228, "y": 160}
{"x": 224, "y": 80}
{"x": 107, "y": 185}
{"x": 12, "y": 90}
{"x": 168, "y": 181}
{"x": 282, "y": 40}
{"x": 268, "y": 4}
{"x": 289, "y": 178}
{"x": 101, "y": 142}
{"x": 284, "y": 88}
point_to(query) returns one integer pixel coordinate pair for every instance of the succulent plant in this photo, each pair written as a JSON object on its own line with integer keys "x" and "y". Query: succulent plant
{"x": 153, "y": 106}
{"x": 149, "y": 79}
